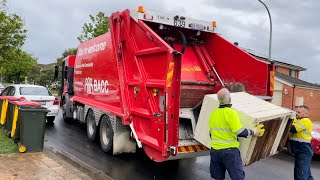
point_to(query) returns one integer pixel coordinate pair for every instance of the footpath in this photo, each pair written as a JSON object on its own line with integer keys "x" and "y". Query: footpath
{"x": 39, "y": 165}
{"x": 50, "y": 164}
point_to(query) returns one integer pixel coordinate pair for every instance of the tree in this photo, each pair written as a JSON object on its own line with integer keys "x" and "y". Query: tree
{"x": 34, "y": 75}
{"x": 98, "y": 26}
{"x": 42, "y": 75}
{"x": 12, "y": 32}
{"x": 2, "y": 72}
{"x": 19, "y": 66}
{"x": 67, "y": 52}
{"x": 46, "y": 76}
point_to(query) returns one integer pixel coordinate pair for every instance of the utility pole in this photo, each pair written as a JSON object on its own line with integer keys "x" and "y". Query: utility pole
{"x": 270, "y": 37}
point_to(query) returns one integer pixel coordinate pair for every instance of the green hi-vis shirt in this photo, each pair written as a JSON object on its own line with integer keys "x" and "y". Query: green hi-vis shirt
{"x": 224, "y": 123}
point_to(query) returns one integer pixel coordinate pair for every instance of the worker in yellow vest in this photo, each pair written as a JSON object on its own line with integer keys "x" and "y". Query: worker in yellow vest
{"x": 300, "y": 137}
{"x": 225, "y": 128}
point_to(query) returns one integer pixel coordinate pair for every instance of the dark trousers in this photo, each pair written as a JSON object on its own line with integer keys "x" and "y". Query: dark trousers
{"x": 303, "y": 156}
{"x": 226, "y": 159}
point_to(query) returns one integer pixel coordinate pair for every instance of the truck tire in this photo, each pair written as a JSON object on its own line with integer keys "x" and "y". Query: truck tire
{"x": 91, "y": 126}
{"x": 106, "y": 134}
{"x": 64, "y": 115}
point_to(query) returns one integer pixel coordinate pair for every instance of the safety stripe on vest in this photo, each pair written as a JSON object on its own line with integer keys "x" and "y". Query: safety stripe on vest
{"x": 301, "y": 125}
{"x": 299, "y": 139}
{"x": 304, "y": 129}
{"x": 220, "y": 129}
{"x": 223, "y": 140}
{"x": 306, "y": 132}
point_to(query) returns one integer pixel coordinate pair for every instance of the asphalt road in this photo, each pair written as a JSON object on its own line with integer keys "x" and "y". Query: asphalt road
{"x": 71, "y": 138}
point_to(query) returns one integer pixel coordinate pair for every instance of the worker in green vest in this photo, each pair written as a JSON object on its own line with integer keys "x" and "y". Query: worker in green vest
{"x": 225, "y": 128}
{"x": 300, "y": 137}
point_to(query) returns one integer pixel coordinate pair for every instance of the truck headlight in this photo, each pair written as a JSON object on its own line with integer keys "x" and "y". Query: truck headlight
{"x": 315, "y": 134}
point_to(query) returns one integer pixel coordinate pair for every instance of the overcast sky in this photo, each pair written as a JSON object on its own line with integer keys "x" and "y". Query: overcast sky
{"x": 54, "y": 26}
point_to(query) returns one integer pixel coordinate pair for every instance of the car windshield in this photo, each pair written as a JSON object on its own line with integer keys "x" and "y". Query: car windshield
{"x": 37, "y": 91}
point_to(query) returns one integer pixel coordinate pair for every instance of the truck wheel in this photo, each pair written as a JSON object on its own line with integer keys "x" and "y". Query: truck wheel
{"x": 64, "y": 116}
{"x": 91, "y": 126}
{"x": 106, "y": 134}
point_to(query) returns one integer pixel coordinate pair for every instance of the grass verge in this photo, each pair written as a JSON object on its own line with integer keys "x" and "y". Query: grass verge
{"x": 6, "y": 144}
{"x": 6, "y": 84}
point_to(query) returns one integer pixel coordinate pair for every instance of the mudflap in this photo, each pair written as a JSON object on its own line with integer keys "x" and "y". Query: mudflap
{"x": 122, "y": 143}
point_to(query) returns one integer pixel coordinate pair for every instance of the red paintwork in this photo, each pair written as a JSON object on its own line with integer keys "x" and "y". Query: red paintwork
{"x": 315, "y": 142}
{"x": 26, "y": 103}
{"x": 235, "y": 65}
{"x": 96, "y": 67}
{"x": 69, "y": 62}
{"x": 136, "y": 62}
{"x": 10, "y": 98}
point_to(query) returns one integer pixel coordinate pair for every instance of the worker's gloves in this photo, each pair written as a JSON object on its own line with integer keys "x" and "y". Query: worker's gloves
{"x": 258, "y": 131}
{"x": 293, "y": 115}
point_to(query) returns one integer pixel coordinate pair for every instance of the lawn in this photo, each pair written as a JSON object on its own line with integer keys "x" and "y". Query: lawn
{"x": 317, "y": 122}
{"x": 6, "y": 144}
{"x": 6, "y": 84}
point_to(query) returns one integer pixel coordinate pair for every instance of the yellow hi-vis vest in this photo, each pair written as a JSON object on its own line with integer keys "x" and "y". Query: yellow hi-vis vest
{"x": 224, "y": 125}
{"x": 304, "y": 128}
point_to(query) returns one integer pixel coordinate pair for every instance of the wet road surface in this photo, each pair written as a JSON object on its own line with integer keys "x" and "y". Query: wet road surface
{"x": 72, "y": 139}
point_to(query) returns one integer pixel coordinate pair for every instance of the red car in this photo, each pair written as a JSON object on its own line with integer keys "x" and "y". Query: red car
{"x": 315, "y": 141}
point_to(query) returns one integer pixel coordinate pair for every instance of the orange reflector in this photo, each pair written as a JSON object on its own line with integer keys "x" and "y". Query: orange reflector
{"x": 214, "y": 24}
{"x": 141, "y": 9}
{"x": 194, "y": 148}
{"x": 272, "y": 81}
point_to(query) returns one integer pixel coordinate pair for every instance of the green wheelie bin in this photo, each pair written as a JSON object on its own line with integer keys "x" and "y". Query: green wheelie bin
{"x": 4, "y": 106}
{"x": 29, "y": 126}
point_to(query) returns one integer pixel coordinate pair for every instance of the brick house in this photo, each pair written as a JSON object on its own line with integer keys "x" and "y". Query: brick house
{"x": 290, "y": 91}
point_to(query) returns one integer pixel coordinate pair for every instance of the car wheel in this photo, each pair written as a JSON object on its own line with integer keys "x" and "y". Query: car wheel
{"x": 91, "y": 126}
{"x": 106, "y": 134}
{"x": 50, "y": 119}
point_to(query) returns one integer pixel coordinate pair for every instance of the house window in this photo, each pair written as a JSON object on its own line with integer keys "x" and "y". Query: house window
{"x": 292, "y": 73}
{"x": 299, "y": 101}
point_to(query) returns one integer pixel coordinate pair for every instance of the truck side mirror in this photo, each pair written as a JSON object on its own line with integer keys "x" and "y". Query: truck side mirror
{"x": 56, "y": 72}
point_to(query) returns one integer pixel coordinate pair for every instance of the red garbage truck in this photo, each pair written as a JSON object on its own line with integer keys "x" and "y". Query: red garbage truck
{"x": 138, "y": 84}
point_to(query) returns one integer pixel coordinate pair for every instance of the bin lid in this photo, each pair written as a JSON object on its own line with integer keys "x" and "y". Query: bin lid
{"x": 26, "y": 103}
{"x": 10, "y": 98}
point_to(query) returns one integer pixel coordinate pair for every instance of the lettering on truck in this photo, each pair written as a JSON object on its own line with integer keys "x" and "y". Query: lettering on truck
{"x": 92, "y": 49}
{"x": 94, "y": 86}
